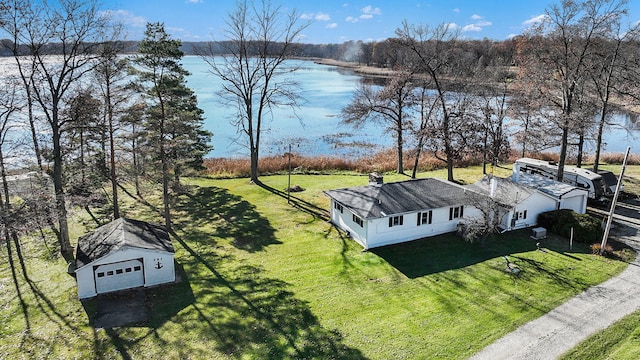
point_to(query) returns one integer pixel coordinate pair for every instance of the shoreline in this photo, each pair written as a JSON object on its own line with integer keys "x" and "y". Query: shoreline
{"x": 355, "y": 67}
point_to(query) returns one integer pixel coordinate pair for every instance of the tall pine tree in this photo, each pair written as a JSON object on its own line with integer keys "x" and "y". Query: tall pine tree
{"x": 173, "y": 132}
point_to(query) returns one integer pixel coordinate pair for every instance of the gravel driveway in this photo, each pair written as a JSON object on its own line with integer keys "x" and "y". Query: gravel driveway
{"x": 564, "y": 327}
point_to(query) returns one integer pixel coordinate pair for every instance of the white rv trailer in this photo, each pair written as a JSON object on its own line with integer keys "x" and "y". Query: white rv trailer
{"x": 578, "y": 177}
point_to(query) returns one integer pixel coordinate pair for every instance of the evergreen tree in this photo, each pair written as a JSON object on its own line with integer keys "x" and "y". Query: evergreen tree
{"x": 173, "y": 134}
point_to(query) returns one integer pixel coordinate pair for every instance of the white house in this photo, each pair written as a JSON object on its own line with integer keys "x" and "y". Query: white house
{"x": 520, "y": 203}
{"x": 123, "y": 254}
{"x": 390, "y": 213}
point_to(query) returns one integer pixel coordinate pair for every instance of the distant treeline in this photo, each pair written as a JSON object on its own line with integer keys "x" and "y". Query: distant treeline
{"x": 384, "y": 54}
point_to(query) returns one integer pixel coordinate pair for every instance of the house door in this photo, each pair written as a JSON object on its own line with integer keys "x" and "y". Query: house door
{"x": 119, "y": 276}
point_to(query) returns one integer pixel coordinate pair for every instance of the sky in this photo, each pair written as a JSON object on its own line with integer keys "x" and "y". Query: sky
{"x": 337, "y": 21}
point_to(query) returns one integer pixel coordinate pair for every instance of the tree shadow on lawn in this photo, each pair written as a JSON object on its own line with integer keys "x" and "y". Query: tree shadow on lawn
{"x": 248, "y": 315}
{"x": 238, "y": 311}
{"x": 448, "y": 252}
{"x": 231, "y": 216}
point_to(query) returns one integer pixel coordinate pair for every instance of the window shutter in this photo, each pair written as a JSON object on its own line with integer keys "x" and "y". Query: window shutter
{"x": 525, "y": 214}
{"x": 390, "y": 222}
{"x": 461, "y": 210}
{"x": 419, "y": 219}
{"x": 450, "y": 213}
{"x": 401, "y": 219}
{"x": 430, "y": 216}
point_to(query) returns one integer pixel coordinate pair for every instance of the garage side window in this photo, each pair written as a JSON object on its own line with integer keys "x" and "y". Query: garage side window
{"x": 137, "y": 268}
{"x": 100, "y": 274}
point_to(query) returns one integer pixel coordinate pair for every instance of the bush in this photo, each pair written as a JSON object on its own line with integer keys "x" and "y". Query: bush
{"x": 586, "y": 229}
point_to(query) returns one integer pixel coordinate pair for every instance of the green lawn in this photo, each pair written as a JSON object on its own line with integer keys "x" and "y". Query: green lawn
{"x": 267, "y": 279}
{"x": 619, "y": 341}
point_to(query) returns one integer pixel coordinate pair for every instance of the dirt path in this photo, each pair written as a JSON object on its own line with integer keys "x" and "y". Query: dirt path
{"x": 587, "y": 313}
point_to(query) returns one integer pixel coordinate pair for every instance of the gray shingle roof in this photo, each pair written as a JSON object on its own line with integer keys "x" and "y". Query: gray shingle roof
{"x": 380, "y": 200}
{"x": 507, "y": 192}
{"x": 118, "y": 234}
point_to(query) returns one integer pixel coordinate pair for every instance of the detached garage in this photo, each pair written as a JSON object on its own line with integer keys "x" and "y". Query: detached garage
{"x": 123, "y": 254}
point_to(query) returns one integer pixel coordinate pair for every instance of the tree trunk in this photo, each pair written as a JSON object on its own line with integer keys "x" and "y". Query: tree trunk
{"x": 400, "y": 145}
{"x": 580, "y": 150}
{"x": 63, "y": 235}
{"x": 603, "y": 114}
{"x": 112, "y": 154}
{"x": 563, "y": 151}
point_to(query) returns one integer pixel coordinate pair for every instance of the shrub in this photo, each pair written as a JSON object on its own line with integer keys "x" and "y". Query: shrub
{"x": 585, "y": 228}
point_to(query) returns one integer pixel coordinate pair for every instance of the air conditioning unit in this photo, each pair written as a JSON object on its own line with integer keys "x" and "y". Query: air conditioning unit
{"x": 538, "y": 233}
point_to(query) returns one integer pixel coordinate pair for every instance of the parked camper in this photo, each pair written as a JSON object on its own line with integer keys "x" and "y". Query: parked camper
{"x": 578, "y": 177}
{"x": 611, "y": 182}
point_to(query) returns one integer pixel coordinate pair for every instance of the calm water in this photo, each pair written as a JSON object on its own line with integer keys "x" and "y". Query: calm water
{"x": 316, "y": 129}
{"x": 325, "y": 90}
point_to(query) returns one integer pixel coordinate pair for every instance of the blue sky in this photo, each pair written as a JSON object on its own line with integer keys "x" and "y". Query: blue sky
{"x": 337, "y": 21}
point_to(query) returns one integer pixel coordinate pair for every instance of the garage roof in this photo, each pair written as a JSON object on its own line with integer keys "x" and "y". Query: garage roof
{"x": 118, "y": 234}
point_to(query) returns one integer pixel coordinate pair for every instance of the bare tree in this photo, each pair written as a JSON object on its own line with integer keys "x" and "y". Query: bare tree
{"x": 392, "y": 106}
{"x": 71, "y": 30}
{"x": 561, "y": 48}
{"x": 613, "y": 62}
{"x": 442, "y": 68}
{"x": 253, "y": 70}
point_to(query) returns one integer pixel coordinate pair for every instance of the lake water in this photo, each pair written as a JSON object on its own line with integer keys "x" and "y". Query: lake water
{"x": 325, "y": 91}
{"x": 316, "y": 130}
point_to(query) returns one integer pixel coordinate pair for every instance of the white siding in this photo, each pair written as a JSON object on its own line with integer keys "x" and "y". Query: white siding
{"x": 158, "y": 268}
{"x": 376, "y": 232}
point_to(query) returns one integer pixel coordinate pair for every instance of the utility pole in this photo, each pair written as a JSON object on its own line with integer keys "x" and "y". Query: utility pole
{"x": 289, "y": 183}
{"x": 613, "y": 203}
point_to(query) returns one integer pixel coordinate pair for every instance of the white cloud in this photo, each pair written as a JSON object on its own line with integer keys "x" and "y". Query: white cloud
{"x": 323, "y": 17}
{"x": 453, "y": 26}
{"x": 511, "y": 36}
{"x": 536, "y": 20}
{"x": 194, "y": 1}
{"x": 369, "y": 10}
{"x": 456, "y": 10}
{"x": 127, "y": 18}
{"x": 471, "y": 27}
{"x": 476, "y": 17}
{"x": 483, "y": 23}
{"x": 317, "y": 16}
{"x": 331, "y": 26}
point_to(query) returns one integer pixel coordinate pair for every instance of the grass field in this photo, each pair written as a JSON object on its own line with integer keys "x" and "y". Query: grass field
{"x": 270, "y": 280}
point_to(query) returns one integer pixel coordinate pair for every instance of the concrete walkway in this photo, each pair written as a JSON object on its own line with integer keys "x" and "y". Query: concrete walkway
{"x": 566, "y": 326}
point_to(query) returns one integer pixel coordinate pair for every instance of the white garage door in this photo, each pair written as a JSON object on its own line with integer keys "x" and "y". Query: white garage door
{"x": 118, "y": 276}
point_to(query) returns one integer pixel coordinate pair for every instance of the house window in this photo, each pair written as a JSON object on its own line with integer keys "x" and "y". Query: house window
{"x": 358, "y": 221}
{"x": 396, "y": 220}
{"x": 425, "y": 217}
{"x": 456, "y": 212}
{"x": 338, "y": 207}
{"x": 520, "y": 215}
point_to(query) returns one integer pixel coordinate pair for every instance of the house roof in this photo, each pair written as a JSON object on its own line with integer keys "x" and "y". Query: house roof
{"x": 120, "y": 233}
{"x": 380, "y": 200}
{"x": 506, "y": 192}
{"x": 548, "y": 186}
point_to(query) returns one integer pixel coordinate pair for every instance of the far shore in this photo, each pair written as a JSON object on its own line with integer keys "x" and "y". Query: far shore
{"x": 356, "y": 67}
